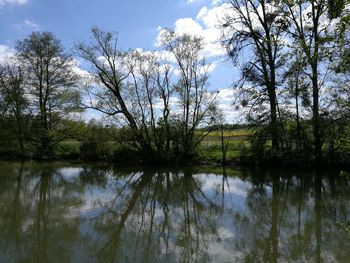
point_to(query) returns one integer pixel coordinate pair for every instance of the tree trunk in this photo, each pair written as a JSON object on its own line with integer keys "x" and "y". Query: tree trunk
{"x": 274, "y": 122}
{"x": 297, "y": 113}
{"x": 316, "y": 116}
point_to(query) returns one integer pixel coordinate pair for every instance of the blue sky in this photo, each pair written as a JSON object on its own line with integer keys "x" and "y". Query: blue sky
{"x": 69, "y": 20}
{"x": 136, "y": 21}
{"x": 138, "y": 24}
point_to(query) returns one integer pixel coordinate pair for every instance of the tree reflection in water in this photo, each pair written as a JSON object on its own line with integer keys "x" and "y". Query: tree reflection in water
{"x": 165, "y": 213}
{"x": 58, "y": 213}
{"x": 34, "y": 214}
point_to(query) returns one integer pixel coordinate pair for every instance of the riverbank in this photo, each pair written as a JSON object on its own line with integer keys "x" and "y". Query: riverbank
{"x": 210, "y": 159}
{"x": 238, "y": 153}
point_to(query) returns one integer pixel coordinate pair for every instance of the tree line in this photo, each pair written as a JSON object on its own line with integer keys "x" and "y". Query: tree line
{"x": 293, "y": 56}
{"x": 294, "y": 76}
{"x": 156, "y": 100}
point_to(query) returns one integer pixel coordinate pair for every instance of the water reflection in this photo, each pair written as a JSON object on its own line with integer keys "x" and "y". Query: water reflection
{"x": 66, "y": 213}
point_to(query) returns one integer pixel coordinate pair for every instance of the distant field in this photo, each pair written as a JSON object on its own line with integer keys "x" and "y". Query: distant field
{"x": 209, "y": 149}
{"x": 239, "y": 145}
{"x": 242, "y": 132}
{"x": 237, "y": 135}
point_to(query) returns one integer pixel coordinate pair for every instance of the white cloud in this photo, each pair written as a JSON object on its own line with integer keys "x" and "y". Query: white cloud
{"x": 13, "y": 2}
{"x": 213, "y": 2}
{"x": 202, "y": 13}
{"x": 161, "y": 32}
{"x": 27, "y": 25}
{"x": 31, "y": 24}
{"x": 216, "y": 2}
{"x": 6, "y": 53}
{"x": 226, "y": 100}
{"x": 188, "y": 26}
{"x": 82, "y": 73}
{"x": 206, "y": 25}
{"x": 191, "y": 1}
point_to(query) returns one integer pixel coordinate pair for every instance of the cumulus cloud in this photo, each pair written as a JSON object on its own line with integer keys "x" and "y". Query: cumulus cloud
{"x": 216, "y": 2}
{"x": 213, "y": 16}
{"x": 77, "y": 69}
{"x": 202, "y": 13}
{"x": 6, "y": 53}
{"x": 188, "y": 26}
{"x": 206, "y": 25}
{"x": 226, "y": 100}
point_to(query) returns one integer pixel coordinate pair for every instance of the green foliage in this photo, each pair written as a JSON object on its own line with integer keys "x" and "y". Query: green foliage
{"x": 38, "y": 93}
{"x": 47, "y": 70}
{"x": 9, "y": 147}
{"x": 14, "y": 106}
{"x": 69, "y": 150}
{"x": 345, "y": 226}
{"x": 125, "y": 153}
{"x": 95, "y": 144}
{"x": 335, "y": 8}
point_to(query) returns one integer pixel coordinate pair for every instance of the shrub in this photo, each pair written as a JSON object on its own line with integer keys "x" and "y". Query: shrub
{"x": 67, "y": 150}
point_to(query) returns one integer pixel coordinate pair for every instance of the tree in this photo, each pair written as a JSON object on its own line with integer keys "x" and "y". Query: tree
{"x": 136, "y": 88}
{"x": 335, "y": 8}
{"x": 309, "y": 30}
{"x": 107, "y": 69}
{"x": 49, "y": 78}
{"x": 150, "y": 88}
{"x": 255, "y": 28}
{"x": 296, "y": 93}
{"x": 110, "y": 91}
{"x": 197, "y": 107}
{"x": 14, "y": 104}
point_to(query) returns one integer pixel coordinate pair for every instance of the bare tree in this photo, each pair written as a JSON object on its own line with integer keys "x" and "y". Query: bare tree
{"x": 165, "y": 90}
{"x": 107, "y": 64}
{"x": 138, "y": 86}
{"x": 197, "y": 107}
{"x": 150, "y": 86}
{"x": 127, "y": 87}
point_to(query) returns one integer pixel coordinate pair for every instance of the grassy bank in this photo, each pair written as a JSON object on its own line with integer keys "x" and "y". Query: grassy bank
{"x": 240, "y": 151}
{"x": 210, "y": 149}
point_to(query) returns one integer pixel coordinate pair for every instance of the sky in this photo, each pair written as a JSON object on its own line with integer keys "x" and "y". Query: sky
{"x": 138, "y": 24}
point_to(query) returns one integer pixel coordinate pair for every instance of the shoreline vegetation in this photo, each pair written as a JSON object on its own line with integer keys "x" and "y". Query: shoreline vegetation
{"x": 157, "y": 106}
{"x": 227, "y": 149}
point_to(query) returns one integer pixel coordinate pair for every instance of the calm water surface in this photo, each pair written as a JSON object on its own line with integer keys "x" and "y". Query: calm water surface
{"x": 81, "y": 213}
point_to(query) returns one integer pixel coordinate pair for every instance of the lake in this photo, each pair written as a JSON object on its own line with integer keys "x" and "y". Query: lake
{"x": 62, "y": 212}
